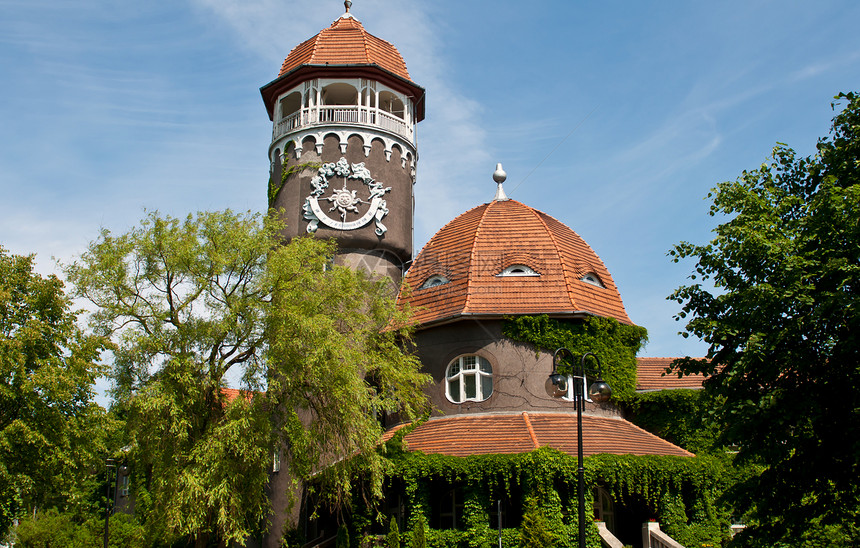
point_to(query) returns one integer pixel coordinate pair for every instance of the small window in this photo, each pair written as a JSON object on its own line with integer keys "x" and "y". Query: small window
{"x": 469, "y": 378}
{"x": 276, "y": 460}
{"x": 591, "y": 278}
{"x": 434, "y": 281}
{"x": 518, "y": 270}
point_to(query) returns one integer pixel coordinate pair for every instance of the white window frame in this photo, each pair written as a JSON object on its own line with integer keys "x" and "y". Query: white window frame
{"x": 518, "y": 270}
{"x": 464, "y": 367}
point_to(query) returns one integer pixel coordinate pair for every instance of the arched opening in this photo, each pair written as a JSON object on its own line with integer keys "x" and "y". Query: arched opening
{"x": 392, "y": 104}
{"x": 339, "y": 94}
{"x": 290, "y": 104}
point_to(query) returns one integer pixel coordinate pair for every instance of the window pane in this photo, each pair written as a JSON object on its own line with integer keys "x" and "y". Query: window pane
{"x": 486, "y": 386}
{"x": 454, "y": 368}
{"x": 485, "y": 365}
{"x": 454, "y": 390}
{"x": 470, "y": 386}
{"x": 469, "y": 362}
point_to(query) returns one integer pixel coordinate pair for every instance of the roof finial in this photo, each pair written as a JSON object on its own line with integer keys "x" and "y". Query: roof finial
{"x": 499, "y": 177}
{"x": 347, "y": 4}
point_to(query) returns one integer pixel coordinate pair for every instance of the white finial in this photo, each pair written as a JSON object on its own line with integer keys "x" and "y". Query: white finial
{"x": 499, "y": 177}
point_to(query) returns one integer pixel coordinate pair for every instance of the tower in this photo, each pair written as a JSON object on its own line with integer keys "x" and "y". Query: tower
{"x": 343, "y": 154}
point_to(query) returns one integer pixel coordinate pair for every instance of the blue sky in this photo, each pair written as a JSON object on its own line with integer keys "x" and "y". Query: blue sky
{"x": 614, "y": 117}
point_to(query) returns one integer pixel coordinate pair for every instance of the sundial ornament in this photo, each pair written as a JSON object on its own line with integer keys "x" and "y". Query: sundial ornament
{"x": 344, "y": 202}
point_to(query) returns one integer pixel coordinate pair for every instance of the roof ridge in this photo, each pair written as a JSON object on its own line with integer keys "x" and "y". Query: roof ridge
{"x": 472, "y": 257}
{"x": 531, "y": 429}
{"x": 365, "y": 41}
{"x": 557, "y": 250}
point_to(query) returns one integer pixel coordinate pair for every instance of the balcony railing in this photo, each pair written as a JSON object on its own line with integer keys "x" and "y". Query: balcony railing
{"x": 307, "y": 117}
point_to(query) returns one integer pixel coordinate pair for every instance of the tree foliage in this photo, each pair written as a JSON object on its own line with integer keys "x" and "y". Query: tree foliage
{"x": 782, "y": 319}
{"x": 189, "y": 303}
{"x": 49, "y": 423}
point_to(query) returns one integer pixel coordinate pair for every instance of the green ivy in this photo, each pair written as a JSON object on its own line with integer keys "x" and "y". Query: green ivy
{"x": 275, "y": 186}
{"x": 682, "y": 492}
{"x": 682, "y": 417}
{"x": 614, "y": 343}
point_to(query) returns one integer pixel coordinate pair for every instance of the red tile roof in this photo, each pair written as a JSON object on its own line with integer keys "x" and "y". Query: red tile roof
{"x": 651, "y": 375}
{"x": 346, "y": 42}
{"x": 474, "y": 248}
{"x": 231, "y": 394}
{"x": 464, "y": 435}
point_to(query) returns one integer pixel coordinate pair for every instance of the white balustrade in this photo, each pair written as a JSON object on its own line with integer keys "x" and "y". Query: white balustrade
{"x": 653, "y": 537}
{"x": 342, "y": 114}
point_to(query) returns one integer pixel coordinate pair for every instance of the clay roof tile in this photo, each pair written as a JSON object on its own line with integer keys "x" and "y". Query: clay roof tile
{"x": 346, "y": 42}
{"x": 472, "y": 250}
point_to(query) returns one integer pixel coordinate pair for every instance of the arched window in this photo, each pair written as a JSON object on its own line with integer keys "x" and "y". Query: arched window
{"x": 591, "y": 278}
{"x": 469, "y": 378}
{"x": 604, "y": 508}
{"x": 518, "y": 270}
{"x": 434, "y": 281}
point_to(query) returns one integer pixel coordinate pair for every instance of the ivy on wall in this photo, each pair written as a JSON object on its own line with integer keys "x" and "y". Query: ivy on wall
{"x": 681, "y": 416}
{"x": 680, "y": 492}
{"x": 275, "y": 185}
{"x": 614, "y": 343}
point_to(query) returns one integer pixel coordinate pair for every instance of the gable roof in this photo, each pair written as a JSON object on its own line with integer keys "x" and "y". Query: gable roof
{"x": 465, "y": 435}
{"x": 472, "y": 251}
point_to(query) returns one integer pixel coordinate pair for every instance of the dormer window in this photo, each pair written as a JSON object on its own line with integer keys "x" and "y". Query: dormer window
{"x": 591, "y": 278}
{"x": 518, "y": 270}
{"x": 434, "y": 281}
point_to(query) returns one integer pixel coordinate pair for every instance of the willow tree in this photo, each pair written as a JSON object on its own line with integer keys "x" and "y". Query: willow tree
{"x": 193, "y": 302}
{"x": 782, "y": 318}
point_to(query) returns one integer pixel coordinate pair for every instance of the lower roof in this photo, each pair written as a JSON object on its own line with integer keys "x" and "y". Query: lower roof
{"x": 464, "y": 435}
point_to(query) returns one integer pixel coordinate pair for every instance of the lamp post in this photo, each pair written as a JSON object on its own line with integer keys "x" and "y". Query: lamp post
{"x": 109, "y": 463}
{"x": 599, "y": 391}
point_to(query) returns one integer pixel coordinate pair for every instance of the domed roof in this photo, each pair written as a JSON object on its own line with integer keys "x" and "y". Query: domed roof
{"x": 505, "y": 258}
{"x": 346, "y": 42}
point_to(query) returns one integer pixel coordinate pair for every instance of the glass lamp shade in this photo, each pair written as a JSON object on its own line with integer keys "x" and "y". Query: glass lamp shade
{"x": 556, "y": 385}
{"x": 599, "y": 391}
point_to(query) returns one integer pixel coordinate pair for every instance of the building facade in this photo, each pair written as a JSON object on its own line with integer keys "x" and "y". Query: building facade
{"x": 343, "y": 162}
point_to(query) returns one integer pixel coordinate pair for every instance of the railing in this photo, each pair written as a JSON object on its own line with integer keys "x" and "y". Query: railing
{"x": 653, "y": 537}
{"x": 607, "y": 537}
{"x": 342, "y": 114}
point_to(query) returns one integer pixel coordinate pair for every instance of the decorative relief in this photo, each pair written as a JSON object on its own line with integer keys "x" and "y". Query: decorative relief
{"x": 345, "y": 201}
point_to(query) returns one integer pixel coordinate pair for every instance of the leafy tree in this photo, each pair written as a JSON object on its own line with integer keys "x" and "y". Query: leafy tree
{"x": 188, "y": 302}
{"x": 49, "y": 425}
{"x": 782, "y": 320}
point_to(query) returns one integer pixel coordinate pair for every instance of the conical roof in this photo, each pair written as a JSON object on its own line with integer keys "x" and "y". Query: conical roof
{"x": 346, "y": 42}
{"x": 505, "y": 258}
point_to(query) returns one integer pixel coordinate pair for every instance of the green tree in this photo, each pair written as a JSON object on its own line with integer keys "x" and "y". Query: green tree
{"x": 418, "y": 533}
{"x": 535, "y": 529}
{"x": 782, "y": 319}
{"x": 392, "y": 539}
{"x": 188, "y": 302}
{"x": 50, "y": 433}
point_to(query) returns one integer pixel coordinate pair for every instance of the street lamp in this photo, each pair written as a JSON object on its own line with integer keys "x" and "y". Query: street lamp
{"x": 599, "y": 391}
{"x": 109, "y": 463}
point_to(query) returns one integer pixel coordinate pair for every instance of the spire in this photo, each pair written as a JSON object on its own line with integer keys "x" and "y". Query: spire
{"x": 499, "y": 177}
